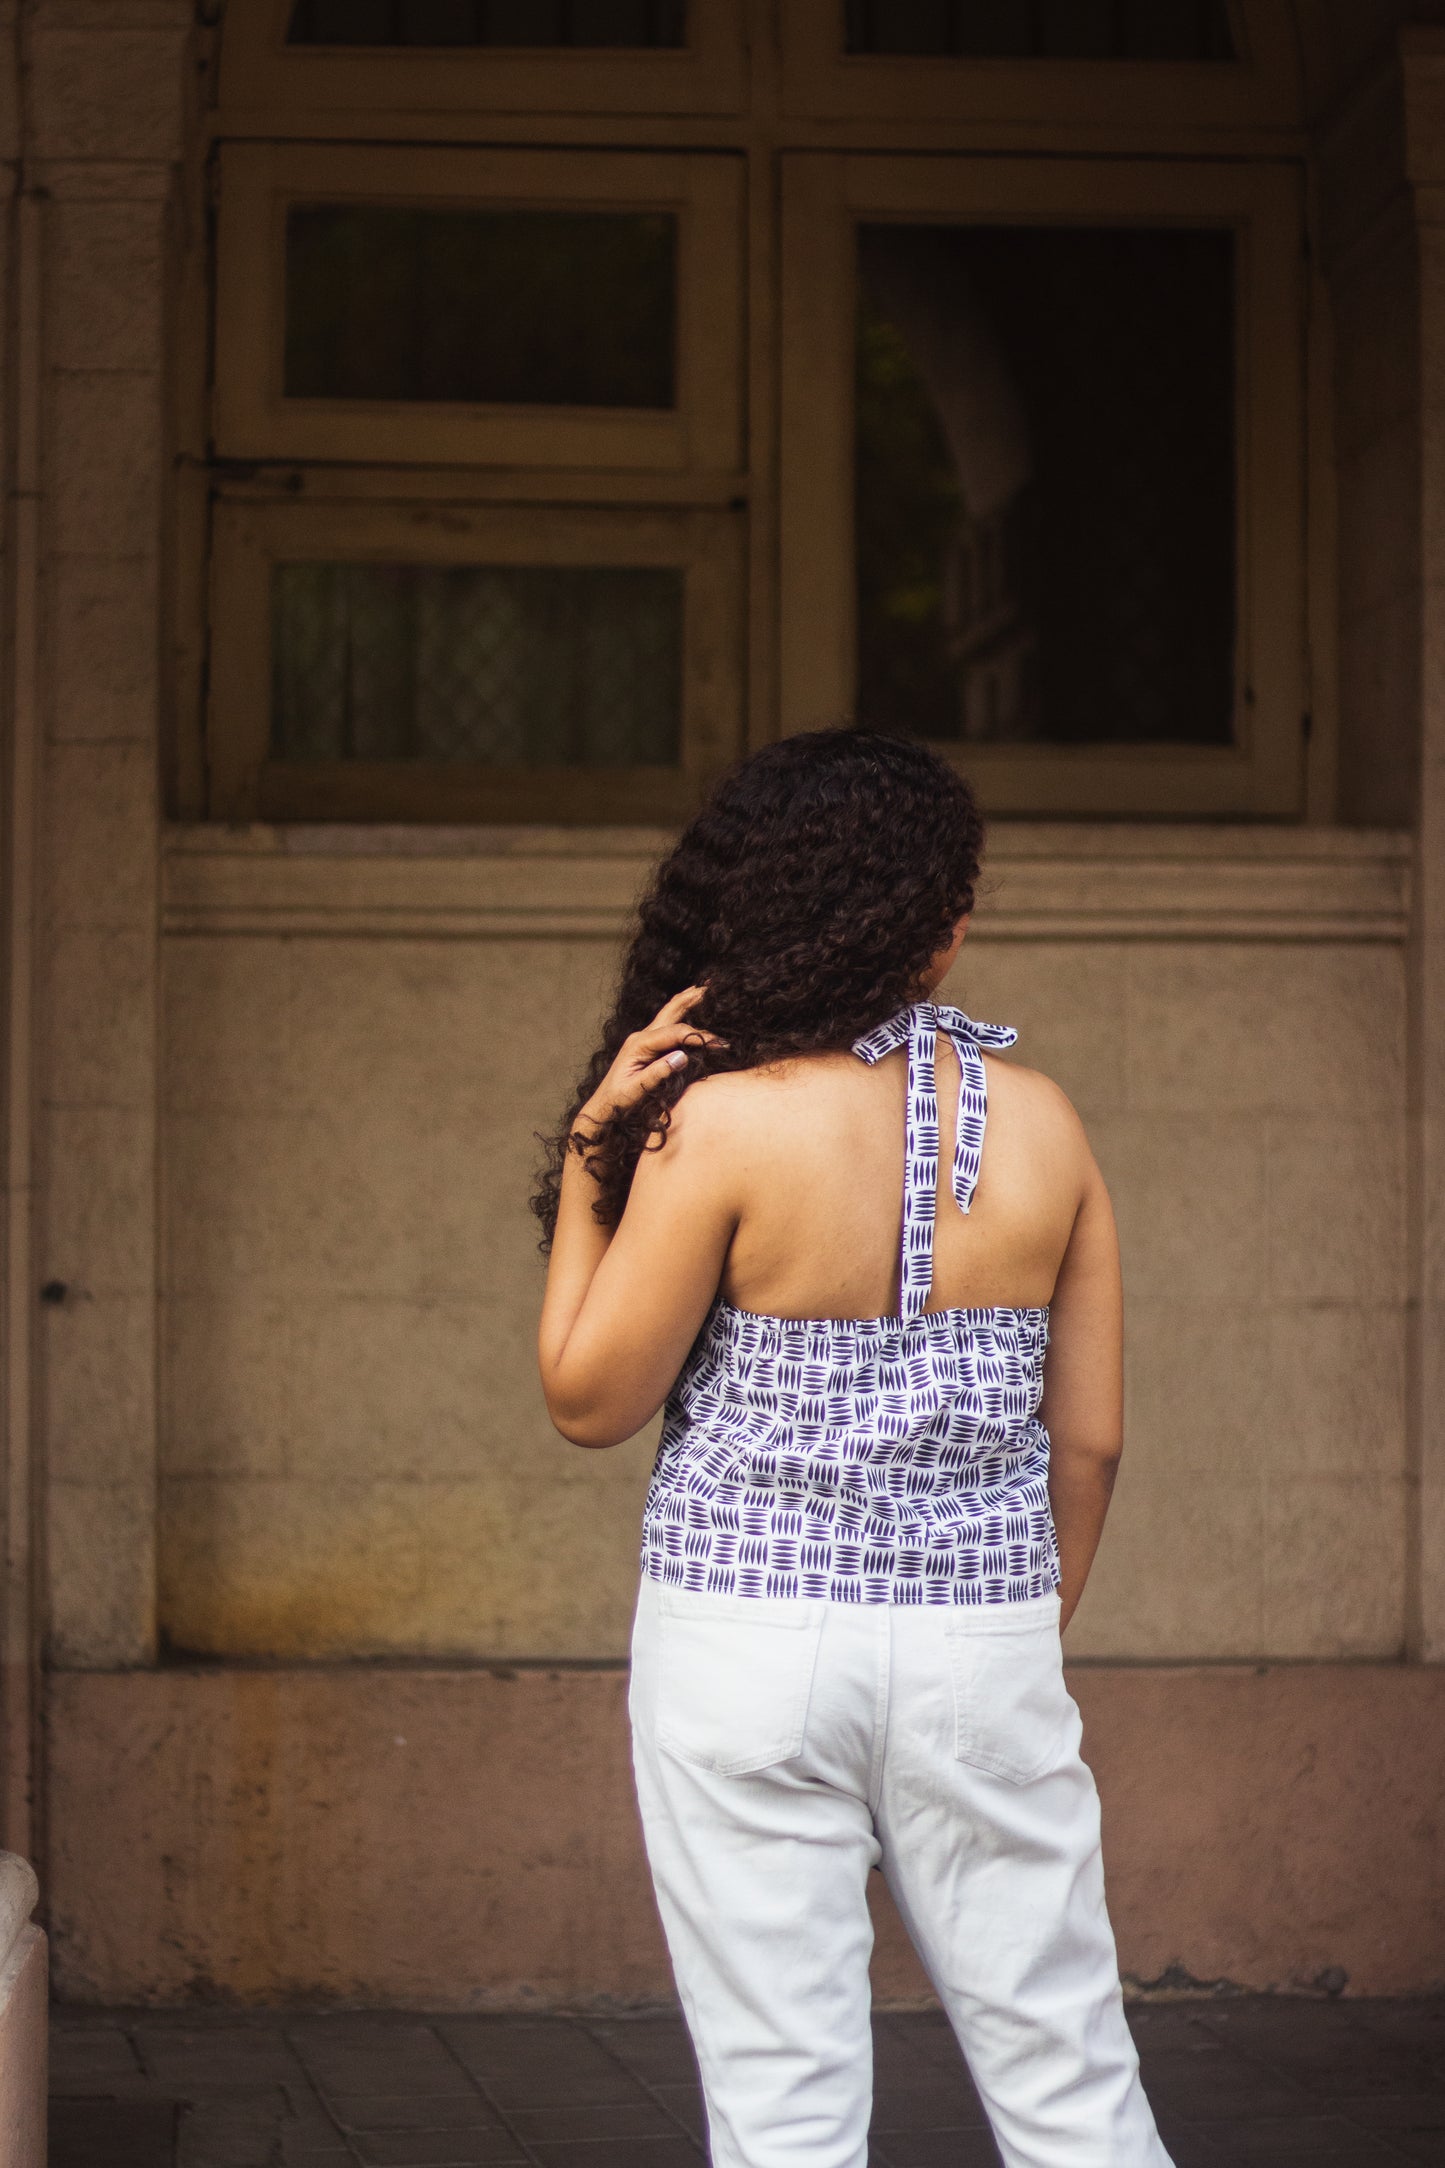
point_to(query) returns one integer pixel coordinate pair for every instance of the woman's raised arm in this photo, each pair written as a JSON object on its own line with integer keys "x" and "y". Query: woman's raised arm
{"x": 623, "y": 1305}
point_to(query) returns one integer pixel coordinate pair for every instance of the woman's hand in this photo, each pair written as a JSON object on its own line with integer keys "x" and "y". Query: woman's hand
{"x": 647, "y": 1057}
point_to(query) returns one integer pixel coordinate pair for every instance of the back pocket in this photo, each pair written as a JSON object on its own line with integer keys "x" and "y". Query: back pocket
{"x": 733, "y": 1678}
{"x": 1012, "y": 1710}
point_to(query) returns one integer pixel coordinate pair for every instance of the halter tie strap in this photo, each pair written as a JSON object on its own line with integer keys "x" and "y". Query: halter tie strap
{"x": 917, "y": 1028}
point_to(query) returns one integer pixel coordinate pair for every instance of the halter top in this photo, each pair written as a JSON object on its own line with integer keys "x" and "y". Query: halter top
{"x": 868, "y": 1459}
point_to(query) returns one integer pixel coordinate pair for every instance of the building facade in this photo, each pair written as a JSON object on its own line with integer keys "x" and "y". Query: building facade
{"x": 439, "y": 436}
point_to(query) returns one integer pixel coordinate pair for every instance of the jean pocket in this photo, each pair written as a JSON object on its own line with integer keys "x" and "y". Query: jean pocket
{"x": 733, "y": 1678}
{"x": 1012, "y": 1710}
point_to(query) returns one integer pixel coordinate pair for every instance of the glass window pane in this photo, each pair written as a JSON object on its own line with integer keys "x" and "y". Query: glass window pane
{"x": 1041, "y": 29}
{"x": 525, "y": 308}
{"x": 1045, "y": 483}
{"x": 640, "y": 25}
{"x": 509, "y": 665}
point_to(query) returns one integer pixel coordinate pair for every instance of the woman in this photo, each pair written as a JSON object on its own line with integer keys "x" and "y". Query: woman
{"x": 874, "y": 1505}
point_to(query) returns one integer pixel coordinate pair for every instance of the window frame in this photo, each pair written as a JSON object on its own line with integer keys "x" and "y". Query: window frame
{"x": 1262, "y": 88}
{"x": 253, "y": 419}
{"x": 250, "y": 534}
{"x": 260, "y": 71}
{"x": 823, "y": 196}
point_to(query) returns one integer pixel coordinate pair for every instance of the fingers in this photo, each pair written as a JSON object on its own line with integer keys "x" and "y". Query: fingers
{"x": 658, "y": 1037}
{"x": 647, "y": 1058}
{"x": 645, "y": 1079}
{"x": 678, "y": 1006}
{"x": 668, "y": 1029}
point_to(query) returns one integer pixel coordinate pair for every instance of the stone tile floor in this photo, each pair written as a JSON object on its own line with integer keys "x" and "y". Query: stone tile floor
{"x": 1235, "y": 2082}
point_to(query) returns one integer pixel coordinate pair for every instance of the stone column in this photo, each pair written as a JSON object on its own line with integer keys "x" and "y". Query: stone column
{"x": 105, "y": 92}
{"x": 1424, "y": 79}
{"x": 19, "y": 740}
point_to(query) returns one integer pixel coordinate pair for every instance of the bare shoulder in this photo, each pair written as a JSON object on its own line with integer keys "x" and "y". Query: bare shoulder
{"x": 719, "y": 1119}
{"x": 1028, "y": 1091}
{"x": 1041, "y": 1109}
{"x": 723, "y": 1110}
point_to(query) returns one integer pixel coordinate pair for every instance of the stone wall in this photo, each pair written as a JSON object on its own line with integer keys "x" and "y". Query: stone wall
{"x": 105, "y": 106}
{"x": 360, "y": 1043}
{"x": 468, "y": 1839}
{"x": 355, "y": 1456}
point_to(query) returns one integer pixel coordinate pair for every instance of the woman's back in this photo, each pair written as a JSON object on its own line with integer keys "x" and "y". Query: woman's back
{"x": 819, "y": 1144}
{"x": 818, "y": 1446}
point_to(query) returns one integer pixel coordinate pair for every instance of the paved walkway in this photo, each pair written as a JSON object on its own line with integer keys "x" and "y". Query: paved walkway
{"x": 1234, "y": 2082}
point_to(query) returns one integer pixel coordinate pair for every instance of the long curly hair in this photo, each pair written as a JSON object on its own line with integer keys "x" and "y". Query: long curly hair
{"x": 808, "y": 897}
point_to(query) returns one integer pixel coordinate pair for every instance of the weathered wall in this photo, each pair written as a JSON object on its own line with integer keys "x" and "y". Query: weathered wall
{"x": 1425, "y": 130}
{"x": 105, "y": 106}
{"x": 355, "y": 1457}
{"x": 468, "y": 1839}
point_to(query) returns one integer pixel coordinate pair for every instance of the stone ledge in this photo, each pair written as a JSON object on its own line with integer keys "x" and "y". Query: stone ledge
{"x": 446, "y": 1839}
{"x": 1091, "y": 882}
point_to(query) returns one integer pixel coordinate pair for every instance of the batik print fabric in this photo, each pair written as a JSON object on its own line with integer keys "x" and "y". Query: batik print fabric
{"x": 868, "y": 1460}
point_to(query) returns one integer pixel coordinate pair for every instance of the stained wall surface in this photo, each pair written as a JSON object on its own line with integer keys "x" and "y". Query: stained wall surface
{"x": 355, "y": 1457}
{"x": 468, "y": 1838}
{"x": 355, "y": 1453}
{"x": 106, "y": 105}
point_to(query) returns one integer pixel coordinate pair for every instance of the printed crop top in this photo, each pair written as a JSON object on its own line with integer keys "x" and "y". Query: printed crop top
{"x": 875, "y": 1459}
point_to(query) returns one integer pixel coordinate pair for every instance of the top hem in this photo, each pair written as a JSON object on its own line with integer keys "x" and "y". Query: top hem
{"x": 770, "y": 1584}
{"x": 895, "y": 1321}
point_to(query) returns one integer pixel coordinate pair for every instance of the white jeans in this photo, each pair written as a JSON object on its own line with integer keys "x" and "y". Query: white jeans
{"x": 784, "y": 1748}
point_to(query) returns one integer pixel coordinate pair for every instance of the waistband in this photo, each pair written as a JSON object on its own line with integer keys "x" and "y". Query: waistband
{"x": 670, "y": 1600}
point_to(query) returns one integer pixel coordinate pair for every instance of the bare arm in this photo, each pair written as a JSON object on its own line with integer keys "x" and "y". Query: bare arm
{"x": 623, "y": 1305}
{"x": 1083, "y": 1402}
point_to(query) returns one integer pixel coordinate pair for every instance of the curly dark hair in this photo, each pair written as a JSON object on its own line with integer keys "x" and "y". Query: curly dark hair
{"x": 808, "y": 896}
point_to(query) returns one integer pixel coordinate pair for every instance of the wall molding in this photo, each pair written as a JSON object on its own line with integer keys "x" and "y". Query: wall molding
{"x": 1043, "y": 881}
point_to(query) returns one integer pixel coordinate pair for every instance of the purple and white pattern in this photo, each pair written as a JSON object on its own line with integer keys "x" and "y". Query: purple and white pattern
{"x": 868, "y": 1460}
{"x": 917, "y": 1029}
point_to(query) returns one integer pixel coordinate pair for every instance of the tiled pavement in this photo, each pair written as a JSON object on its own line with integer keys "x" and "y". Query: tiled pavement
{"x": 1235, "y": 2082}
